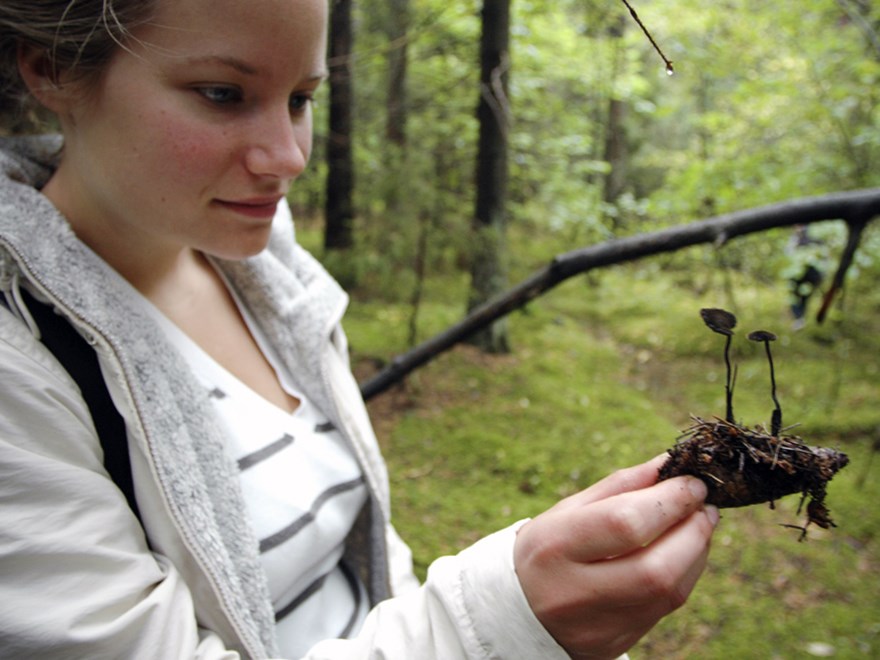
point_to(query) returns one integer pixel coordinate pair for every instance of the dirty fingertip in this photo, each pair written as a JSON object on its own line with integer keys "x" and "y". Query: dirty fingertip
{"x": 698, "y": 488}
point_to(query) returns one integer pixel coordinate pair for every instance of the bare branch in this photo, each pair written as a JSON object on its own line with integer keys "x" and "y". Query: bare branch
{"x": 718, "y": 230}
{"x": 855, "y": 227}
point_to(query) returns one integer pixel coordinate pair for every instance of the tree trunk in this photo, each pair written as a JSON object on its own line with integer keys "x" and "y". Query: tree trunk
{"x": 398, "y": 25}
{"x": 395, "y": 151}
{"x": 616, "y": 153}
{"x": 488, "y": 270}
{"x": 339, "y": 210}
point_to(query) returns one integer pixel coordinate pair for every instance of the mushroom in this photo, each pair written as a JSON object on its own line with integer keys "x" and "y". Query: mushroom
{"x": 767, "y": 337}
{"x": 723, "y": 322}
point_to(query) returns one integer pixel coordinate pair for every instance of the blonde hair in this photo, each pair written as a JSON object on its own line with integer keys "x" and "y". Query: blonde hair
{"x": 78, "y": 38}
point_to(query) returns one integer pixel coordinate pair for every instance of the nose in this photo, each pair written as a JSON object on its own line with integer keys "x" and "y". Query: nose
{"x": 281, "y": 146}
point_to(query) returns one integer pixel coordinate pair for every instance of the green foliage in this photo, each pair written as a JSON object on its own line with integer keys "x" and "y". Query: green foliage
{"x": 778, "y": 106}
{"x": 781, "y": 105}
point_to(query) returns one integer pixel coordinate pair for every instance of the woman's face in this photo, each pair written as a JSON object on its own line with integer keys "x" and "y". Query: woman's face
{"x": 192, "y": 135}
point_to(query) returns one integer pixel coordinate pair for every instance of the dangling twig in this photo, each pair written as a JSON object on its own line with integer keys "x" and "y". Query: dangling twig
{"x": 669, "y": 68}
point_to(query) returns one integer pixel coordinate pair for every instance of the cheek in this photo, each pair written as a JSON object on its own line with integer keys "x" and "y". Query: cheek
{"x": 185, "y": 152}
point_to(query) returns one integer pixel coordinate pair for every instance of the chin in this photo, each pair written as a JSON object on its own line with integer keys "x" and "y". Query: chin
{"x": 240, "y": 251}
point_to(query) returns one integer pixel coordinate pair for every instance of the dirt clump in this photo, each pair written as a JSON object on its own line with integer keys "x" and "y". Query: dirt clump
{"x": 742, "y": 466}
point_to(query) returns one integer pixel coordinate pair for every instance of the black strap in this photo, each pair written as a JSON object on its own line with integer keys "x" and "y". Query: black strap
{"x": 81, "y": 362}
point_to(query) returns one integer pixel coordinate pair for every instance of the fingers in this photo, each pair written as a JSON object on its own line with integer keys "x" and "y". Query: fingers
{"x": 601, "y": 608}
{"x": 628, "y": 521}
{"x": 604, "y": 566}
{"x": 659, "y": 576}
{"x": 622, "y": 481}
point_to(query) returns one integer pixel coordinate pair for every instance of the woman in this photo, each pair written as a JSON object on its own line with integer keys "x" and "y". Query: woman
{"x": 156, "y": 226}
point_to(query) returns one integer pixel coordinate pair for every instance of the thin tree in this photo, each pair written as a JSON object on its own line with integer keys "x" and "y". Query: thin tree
{"x": 488, "y": 269}
{"x": 339, "y": 207}
{"x": 397, "y": 27}
{"x": 616, "y": 152}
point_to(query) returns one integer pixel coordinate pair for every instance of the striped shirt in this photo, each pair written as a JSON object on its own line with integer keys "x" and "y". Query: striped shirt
{"x": 303, "y": 489}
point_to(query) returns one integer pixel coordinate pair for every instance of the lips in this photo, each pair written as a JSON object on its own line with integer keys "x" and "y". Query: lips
{"x": 262, "y": 207}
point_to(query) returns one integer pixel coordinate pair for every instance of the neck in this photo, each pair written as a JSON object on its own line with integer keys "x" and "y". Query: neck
{"x": 152, "y": 267}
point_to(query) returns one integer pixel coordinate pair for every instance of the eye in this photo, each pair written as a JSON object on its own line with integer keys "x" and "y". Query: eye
{"x": 220, "y": 94}
{"x": 299, "y": 102}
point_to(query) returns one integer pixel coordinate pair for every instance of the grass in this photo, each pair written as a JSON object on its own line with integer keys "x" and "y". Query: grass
{"x": 606, "y": 371}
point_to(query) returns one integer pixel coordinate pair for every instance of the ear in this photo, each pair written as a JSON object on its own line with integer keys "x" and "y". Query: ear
{"x": 41, "y": 78}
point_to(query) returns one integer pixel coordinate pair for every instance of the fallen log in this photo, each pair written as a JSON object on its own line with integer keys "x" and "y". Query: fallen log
{"x": 856, "y": 208}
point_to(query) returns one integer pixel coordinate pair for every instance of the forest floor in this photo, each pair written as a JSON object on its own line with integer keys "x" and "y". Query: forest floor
{"x": 606, "y": 372}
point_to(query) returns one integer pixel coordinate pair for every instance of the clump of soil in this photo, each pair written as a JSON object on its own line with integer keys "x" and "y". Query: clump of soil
{"x": 742, "y": 466}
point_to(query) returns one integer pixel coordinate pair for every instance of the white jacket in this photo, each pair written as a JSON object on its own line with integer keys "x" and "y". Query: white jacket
{"x": 81, "y": 578}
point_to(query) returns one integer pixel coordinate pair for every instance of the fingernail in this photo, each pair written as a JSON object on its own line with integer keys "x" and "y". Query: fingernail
{"x": 712, "y": 514}
{"x": 698, "y": 489}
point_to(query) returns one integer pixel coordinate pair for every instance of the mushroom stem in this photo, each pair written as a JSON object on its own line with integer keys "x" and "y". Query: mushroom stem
{"x": 723, "y": 322}
{"x": 776, "y": 420}
{"x": 766, "y": 338}
{"x": 728, "y": 388}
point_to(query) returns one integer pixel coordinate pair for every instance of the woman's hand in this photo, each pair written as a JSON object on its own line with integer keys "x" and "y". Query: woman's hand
{"x": 602, "y": 567}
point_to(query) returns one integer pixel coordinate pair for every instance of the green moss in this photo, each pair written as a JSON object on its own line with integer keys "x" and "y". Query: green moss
{"x": 605, "y": 372}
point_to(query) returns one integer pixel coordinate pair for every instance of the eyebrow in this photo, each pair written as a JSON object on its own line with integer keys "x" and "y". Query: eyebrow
{"x": 232, "y": 62}
{"x": 241, "y": 66}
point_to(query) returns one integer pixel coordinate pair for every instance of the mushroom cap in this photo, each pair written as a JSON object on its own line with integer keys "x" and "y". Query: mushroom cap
{"x": 719, "y": 320}
{"x": 762, "y": 335}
